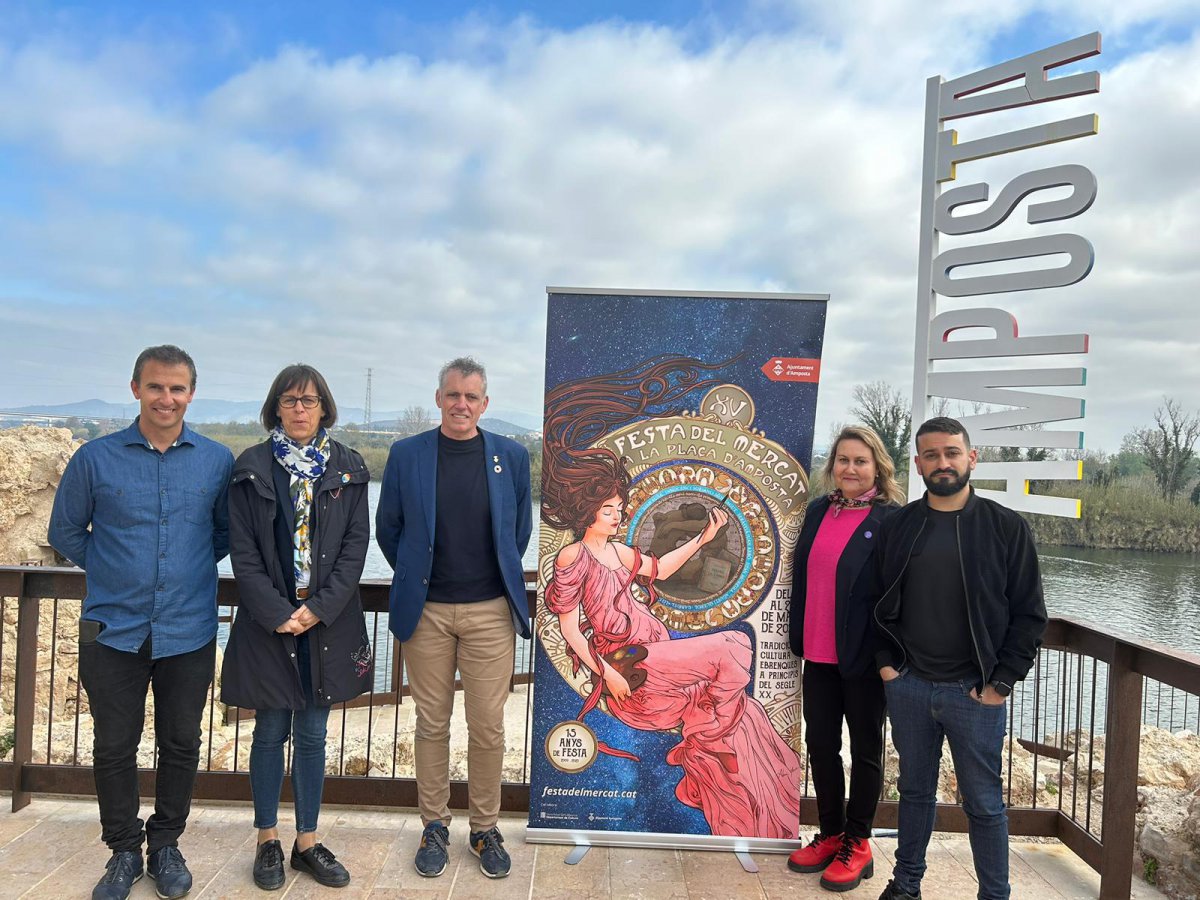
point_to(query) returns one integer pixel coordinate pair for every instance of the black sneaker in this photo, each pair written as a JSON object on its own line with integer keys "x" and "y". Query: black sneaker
{"x": 493, "y": 858}
{"x": 123, "y": 868}
{"x": 434, "y": 852}
{"x": 319, "y": 862}
{"x": 268, "y": 866}
{"x": 893, "y": 892}
{"x": 169, "y": 870}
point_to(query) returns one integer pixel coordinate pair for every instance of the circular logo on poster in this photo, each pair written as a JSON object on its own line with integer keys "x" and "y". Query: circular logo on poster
{"x": 669, "y": 505}
{"x": 729, "y": 405}
{"x": 571, "y": 746}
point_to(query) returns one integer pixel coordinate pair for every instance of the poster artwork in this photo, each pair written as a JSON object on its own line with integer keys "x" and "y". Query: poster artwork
{"x": 674, "y": 483}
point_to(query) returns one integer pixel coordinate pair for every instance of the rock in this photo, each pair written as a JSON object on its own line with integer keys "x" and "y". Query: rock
{"x": 34, "y": 460}
{"x": 1167, "y": 820}
{"x": 57, "y": 631}
{"x": 1169, "y": 760}
{"x": 1191, "y": 824}
{"x": 354, "y": 755}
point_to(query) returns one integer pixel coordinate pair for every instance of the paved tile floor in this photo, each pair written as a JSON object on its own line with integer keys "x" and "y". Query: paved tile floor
{"x": 51, "y": 849}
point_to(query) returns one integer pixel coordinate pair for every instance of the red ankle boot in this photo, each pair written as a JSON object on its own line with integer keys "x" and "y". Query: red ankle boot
{"x": 851, "y": 864}
{"x": 817, "y": 855}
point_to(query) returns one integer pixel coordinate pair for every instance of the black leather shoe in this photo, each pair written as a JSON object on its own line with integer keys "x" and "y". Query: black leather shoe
{"x": 122, "y": 870}
{"x": 268, "y": 866}
{"x": 893, "y": 892}
{"x": 167, "y": 867}
{"x": 319, "y": 862}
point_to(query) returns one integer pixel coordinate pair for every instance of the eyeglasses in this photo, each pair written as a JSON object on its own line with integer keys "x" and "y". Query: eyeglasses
{"x": 308, "y": 401}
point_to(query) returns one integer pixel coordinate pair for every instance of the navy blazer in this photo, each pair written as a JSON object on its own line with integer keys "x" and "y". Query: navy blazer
{"x": 404, "y": 523}
{"x": 853, "y": 603}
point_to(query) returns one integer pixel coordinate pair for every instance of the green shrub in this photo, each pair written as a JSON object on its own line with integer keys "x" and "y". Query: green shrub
{"x": 1126, "y": 515}
{"x": 1150, "y": 870}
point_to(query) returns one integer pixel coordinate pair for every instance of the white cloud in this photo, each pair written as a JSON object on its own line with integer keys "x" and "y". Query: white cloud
{"x": 402, "y": 211}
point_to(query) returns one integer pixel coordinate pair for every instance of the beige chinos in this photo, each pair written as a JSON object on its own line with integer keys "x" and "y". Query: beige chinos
{"x": 477, "y": 639}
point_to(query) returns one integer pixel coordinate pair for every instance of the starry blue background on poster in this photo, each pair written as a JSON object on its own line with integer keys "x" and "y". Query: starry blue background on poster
{"x": 593, "y": 334}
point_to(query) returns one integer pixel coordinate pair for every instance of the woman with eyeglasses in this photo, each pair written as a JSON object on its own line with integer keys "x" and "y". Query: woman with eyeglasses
{"x": 298, "y": 534}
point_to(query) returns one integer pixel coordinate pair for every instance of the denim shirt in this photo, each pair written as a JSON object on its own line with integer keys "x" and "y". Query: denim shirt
{"x": 159, "y": 524}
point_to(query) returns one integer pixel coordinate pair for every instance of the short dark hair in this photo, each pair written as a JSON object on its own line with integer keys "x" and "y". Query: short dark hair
{"x": 943, "y": 425}
{"x": 466, "y": 366}
{"x": 297, "y": 376}
{"x": 168, "y": 355}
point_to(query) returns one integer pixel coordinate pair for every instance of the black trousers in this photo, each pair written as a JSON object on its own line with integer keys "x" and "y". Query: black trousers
{"x": 828, "y": 699}
{"x": 116, "y": 684}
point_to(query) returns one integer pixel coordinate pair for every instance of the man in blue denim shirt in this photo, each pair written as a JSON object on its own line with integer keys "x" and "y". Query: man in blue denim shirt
{"x": 143, "y": 511}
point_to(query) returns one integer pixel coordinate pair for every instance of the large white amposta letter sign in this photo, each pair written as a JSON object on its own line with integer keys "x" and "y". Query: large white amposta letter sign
{"x": 970, "y": 271}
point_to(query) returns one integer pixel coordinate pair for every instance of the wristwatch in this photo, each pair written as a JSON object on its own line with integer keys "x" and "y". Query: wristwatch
{"x": 1001, "y": 688}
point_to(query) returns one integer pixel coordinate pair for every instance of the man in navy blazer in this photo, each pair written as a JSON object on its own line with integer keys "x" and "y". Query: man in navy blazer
{"x": 454, "y": 520}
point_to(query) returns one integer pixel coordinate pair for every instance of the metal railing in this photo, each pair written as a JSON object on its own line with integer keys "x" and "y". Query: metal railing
{"x": 1071, "y": 762}
{"x": 370, "y": 750}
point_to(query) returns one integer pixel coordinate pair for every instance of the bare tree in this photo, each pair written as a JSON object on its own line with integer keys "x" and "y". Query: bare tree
{"x": 940, "y": 407}
{"x": 1169, "y": 446}
{"x": 888, "y": 412}
{"x": 414, "y": 420}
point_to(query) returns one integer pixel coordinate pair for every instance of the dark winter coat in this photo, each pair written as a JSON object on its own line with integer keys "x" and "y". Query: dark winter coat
{"x": 261, "y": 670}
{"x": 853, "y": 600}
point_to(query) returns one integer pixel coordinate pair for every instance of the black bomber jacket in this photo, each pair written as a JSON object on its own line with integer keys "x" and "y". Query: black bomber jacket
{"x": 1005, "y": 606}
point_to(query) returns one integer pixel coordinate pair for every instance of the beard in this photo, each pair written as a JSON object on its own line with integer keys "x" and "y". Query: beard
{"x": 941, "y": 488}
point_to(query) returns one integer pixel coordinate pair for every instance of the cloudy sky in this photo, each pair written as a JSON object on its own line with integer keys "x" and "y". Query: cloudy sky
{"x": 390, "y": 185}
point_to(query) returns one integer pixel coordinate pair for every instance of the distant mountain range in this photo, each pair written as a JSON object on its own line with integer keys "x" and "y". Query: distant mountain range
{"x": 501, "y": 421}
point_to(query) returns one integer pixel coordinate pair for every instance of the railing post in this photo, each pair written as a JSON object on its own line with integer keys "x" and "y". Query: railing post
{"x": 23, "y": 693}
{"x": 1122, "y": 742}
{"x": 398, "y": 670}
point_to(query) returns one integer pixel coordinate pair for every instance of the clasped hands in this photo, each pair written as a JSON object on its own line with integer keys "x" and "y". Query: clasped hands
{"x": 301, "y": 620}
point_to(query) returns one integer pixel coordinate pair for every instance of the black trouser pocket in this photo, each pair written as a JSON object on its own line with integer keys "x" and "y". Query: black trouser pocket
{"x": 89, "y": 631}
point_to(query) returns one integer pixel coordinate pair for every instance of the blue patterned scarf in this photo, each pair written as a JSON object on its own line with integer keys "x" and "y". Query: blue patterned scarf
{"x": 305, "y": 463}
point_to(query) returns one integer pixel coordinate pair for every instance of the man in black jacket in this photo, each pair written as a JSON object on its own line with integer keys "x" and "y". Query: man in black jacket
{"x": 960, "y": 616}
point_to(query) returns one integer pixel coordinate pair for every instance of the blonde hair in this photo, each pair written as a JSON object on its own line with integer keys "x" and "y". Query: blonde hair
{"x": 885, "y": 470}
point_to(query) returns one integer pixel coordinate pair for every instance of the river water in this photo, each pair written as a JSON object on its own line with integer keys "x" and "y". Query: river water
{"x": 1147, "y": 595}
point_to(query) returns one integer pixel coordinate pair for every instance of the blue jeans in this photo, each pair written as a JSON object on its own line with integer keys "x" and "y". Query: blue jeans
{"x": 271, "y": 729}
{"x": 922, "y": 714}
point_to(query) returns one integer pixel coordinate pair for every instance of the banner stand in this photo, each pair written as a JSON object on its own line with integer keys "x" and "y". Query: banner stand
{"x": 677, "y": 441}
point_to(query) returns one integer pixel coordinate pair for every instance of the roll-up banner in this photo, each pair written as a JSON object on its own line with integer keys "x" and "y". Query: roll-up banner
{"x": 675, "y": 474}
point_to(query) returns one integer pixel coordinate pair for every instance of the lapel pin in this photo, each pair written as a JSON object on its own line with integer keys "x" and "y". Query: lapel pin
{"x": 497, "y": 469}
{"x": 346, "y": 478}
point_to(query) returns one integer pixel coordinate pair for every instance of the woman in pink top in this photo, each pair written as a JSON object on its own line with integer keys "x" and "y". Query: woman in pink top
{"x": 830, "y": 629}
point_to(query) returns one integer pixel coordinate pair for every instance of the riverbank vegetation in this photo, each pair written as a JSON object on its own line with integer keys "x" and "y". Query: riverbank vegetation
{"x": 373, "y": 445}
{"x": 1144, "y": 497}
{"x": 1126, "y": 515}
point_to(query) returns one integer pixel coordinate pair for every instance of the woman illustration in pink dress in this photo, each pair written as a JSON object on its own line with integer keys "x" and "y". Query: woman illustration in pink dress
{"x": 736, "y": 768}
